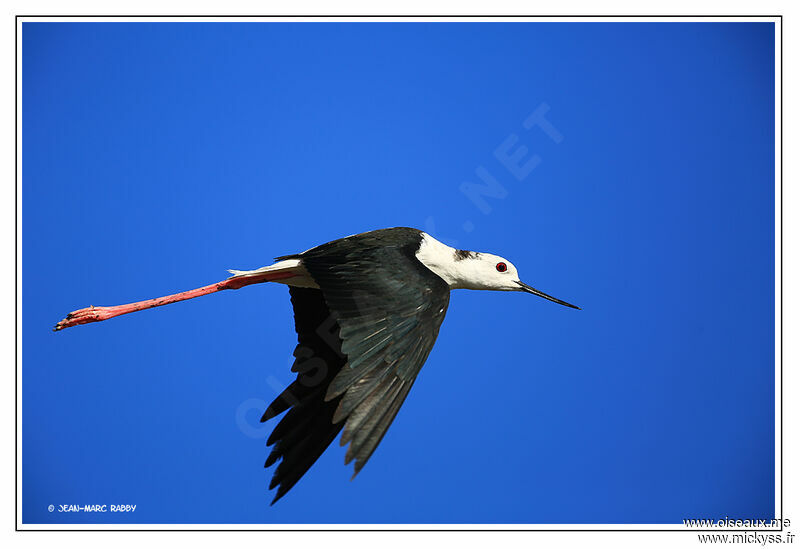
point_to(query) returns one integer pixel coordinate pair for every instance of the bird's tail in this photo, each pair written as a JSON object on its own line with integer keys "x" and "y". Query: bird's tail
{"x": 289, "y": 271}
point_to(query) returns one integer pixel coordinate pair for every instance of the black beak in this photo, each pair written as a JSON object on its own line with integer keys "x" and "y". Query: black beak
{"x": 525, "y": 288}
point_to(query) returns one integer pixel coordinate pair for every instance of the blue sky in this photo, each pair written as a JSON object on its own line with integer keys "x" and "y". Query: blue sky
{"x": 155, "y": 156}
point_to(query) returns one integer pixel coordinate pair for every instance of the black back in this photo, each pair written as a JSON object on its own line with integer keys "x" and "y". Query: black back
{"x": 362, "y": 339}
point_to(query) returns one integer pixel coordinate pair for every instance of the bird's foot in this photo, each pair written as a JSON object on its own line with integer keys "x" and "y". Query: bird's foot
{"x": 82, "y": 316}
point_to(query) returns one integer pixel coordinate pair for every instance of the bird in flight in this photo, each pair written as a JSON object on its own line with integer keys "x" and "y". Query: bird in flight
{"x": 367, "y": 310}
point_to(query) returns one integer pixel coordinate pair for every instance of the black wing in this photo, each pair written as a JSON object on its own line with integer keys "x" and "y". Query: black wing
{"x": 303, "y": 434}
{"x": 387, "y": 308}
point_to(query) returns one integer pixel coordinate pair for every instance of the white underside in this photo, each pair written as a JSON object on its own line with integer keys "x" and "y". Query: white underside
{"x": 301, "y": 279}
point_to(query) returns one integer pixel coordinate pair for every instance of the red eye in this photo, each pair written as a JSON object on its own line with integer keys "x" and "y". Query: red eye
{"x": 502, "y": 267}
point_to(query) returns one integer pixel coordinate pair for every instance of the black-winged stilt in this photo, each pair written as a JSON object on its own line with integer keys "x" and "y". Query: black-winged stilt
{"x": 367, "y": 311}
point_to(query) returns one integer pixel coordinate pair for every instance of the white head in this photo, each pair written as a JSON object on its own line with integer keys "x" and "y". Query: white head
{"x": 474, "y": 270}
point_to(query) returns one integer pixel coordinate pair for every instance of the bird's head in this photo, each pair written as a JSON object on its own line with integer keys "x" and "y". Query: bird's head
{"x": 475, "y": 270}
{"x": 484, "y": 271}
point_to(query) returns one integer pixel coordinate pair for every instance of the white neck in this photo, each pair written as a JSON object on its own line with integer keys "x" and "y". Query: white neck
{"x": 441, "y": 259}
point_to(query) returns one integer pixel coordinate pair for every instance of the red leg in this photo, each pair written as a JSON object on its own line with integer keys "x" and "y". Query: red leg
{"x": 96, "y": 314}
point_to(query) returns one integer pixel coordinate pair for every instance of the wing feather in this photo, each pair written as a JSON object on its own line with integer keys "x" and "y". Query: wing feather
{"x": 387, "y": 308}
{"x": 308, "y": 427}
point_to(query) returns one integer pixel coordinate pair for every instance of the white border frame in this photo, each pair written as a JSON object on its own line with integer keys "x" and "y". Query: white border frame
{"x": 777, "y": 20}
